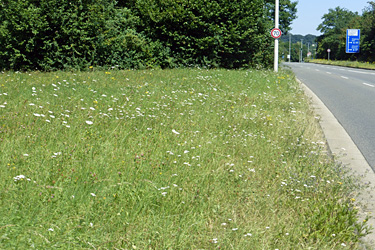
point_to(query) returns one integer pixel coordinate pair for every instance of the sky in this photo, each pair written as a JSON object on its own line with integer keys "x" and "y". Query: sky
{"x": 310, "y": 13}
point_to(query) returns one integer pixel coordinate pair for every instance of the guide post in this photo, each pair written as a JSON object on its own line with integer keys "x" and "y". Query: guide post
{"x": 276, "y": 33}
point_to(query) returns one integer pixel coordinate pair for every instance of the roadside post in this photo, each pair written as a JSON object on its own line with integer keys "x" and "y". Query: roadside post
{"x": 276, "y": 33}
{"x": 329, "y": 52}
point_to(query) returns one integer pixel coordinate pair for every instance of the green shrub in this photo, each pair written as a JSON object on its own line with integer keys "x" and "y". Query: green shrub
{"x": 228, "y": 34}
{"x": 51, "y": 35}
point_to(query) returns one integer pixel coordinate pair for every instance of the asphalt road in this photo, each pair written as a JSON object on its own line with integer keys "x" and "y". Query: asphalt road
{"x": 350, "y": 95}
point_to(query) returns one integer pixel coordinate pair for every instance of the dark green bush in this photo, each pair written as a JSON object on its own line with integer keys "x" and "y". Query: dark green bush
{"x": 64, "y": 34}
{"x": 50, "y": 34}
{"x": 229, "y": 34}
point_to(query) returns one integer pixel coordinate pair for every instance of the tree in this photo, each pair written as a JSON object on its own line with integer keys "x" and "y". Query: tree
{"x": 228, "y": 34}
{"x": 288, "y": 12}
{"x": 64, "y": 34}
{"x": 368, "y": 33}
{"x": 333, "y": 27}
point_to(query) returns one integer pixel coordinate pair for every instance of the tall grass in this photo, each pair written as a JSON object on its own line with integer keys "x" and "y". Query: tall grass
{"x": 167, "y": 159}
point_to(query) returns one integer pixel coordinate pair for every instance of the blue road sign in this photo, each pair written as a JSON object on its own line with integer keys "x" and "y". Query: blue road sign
{"x": 353, "y": 37}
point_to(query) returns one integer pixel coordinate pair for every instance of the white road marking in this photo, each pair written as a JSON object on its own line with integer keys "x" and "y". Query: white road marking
{"x": 344, "y": 77}
{"x": 361, "y": 72}
{"x": 370, "y": 85}
{"x": 329, "y": 73}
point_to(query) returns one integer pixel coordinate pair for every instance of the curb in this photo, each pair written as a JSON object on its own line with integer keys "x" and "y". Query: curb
{"x": 346, "y": 152}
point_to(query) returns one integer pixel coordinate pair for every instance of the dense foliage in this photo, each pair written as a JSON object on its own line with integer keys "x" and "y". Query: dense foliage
{"x": 333, "y": 29}
{"x": 50, "y": 34}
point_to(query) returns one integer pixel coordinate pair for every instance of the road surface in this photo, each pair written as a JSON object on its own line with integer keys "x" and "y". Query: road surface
{"x": 350, "y": 95}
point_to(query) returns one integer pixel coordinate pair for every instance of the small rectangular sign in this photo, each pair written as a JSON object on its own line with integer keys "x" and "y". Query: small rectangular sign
{"x": 353, "y": 37}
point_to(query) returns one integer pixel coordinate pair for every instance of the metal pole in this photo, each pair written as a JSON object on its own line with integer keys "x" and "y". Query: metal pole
{"x": 290, "y": 41}
{"x": 276, "y": 54}
{"x": 301, "y": 50}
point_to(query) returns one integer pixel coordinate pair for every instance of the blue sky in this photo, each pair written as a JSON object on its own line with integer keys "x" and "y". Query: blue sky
{"x": 310, "y": 13}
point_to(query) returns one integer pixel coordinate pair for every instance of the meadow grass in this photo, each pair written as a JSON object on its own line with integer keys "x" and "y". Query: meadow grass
{"x": 167, "y": 159}
{"x": 351, "y": 64}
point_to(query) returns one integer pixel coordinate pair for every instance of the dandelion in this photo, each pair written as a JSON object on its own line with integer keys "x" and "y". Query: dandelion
{"x": 89, "y": 122}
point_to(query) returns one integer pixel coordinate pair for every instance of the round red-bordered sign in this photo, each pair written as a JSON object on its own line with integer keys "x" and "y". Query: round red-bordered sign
{"x": 276, "y": 33}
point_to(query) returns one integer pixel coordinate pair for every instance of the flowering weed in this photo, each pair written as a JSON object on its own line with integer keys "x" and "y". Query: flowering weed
{"x": 167, "y": 159}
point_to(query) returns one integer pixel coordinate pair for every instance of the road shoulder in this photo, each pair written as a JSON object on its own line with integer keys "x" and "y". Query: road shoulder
{"x": 345, "y": 151}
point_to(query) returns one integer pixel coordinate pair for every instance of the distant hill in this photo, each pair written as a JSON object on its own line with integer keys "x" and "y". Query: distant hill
{"x": 297, "y": 38}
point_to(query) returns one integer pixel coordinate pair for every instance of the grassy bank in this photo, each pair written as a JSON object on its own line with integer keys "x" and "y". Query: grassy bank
{"x": 352, "y": 64}
{"x": 167, "y": 159}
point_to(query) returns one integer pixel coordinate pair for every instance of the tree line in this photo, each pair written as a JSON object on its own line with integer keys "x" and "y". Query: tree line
{"x": 333, "y": 29}
{"x": 65, "y": 34}
{"x": 300, "y": 46}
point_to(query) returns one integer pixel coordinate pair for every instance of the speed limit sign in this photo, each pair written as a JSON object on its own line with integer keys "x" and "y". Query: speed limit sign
{"x": 276, "y": 33}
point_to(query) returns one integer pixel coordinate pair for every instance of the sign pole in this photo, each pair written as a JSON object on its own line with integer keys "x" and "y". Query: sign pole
{"x": 276, "y": 54}
{"x": 290, "y": 41}
{"x": 329, "y": 52}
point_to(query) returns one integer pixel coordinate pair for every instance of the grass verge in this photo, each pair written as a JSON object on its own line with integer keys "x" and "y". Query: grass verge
{"x": 351, "y": 64}
{"x": 167, "y": 159}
